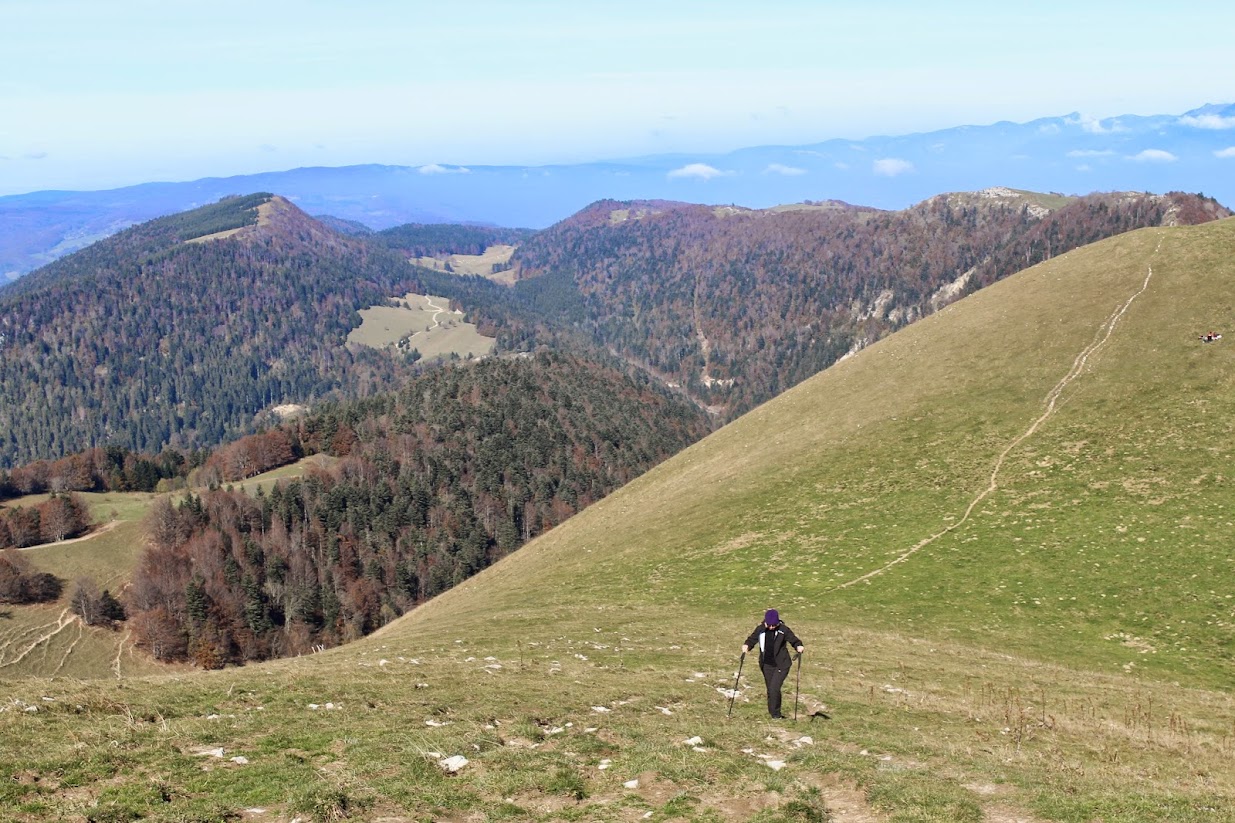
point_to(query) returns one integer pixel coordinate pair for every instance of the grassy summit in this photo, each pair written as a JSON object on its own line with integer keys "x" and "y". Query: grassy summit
{"x": 1002, "y": 533}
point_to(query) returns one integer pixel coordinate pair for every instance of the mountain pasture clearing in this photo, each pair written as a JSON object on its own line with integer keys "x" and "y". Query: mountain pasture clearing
{"x": 491, "y": 265}
{"x": 422, "y": 323}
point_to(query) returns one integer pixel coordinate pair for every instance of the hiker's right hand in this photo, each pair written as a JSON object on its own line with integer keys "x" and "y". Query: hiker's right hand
{"x": 745, "y": 649}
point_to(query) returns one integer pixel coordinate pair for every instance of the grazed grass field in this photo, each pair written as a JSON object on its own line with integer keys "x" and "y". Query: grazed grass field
{"x": 923, "y": 515}
{"x": 423, "y": 323}
{"x": 477, "y": 264}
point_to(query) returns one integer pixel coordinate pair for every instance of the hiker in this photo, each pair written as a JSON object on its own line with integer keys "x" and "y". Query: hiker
{"x": 774, "y": 639}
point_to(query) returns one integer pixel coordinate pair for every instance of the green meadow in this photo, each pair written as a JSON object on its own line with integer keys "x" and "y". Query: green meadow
{"x": 1003, "y": 534}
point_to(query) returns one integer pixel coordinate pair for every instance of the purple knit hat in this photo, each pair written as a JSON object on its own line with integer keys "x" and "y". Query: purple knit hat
{"x": 771, "y": 617}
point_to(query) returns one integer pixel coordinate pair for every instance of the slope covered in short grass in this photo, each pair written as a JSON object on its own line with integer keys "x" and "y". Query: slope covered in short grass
{"x": 1001, "y": 532}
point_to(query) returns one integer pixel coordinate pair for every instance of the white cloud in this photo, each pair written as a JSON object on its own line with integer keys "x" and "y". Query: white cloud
{"x": 788, "y": 171}
{"x": 1154, "y": 156}
{"x": 1048, "y": 128}
{"x": 1083, "y": 167}
{"x": 1094, "y": 125}
{"x": 699, "y": 171}
{"x": 1224, "y": 153}
{"x": 1090, "y": 153}
{"x": 434, "y": 168}
{"x": 892, "y": 166}
{"x": 1208, "y": 121}
{"x": 841, "y": 165}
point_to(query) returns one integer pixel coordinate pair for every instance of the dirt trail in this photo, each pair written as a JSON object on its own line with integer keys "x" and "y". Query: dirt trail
{"x": 65, "y": 620}
{"x": 1079, "y": 365}
{"x": 111, "y": 524}
{"x": 120, "y": 653}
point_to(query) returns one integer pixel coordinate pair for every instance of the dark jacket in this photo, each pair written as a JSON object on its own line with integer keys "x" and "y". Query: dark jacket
{"x": 774, "y": 644}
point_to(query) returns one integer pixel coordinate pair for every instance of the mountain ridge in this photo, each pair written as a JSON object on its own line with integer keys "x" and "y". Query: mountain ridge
{"x": 1071, "y": 154}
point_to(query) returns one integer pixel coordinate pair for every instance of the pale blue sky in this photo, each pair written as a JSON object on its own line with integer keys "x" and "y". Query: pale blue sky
{"x": 101, "y": 93}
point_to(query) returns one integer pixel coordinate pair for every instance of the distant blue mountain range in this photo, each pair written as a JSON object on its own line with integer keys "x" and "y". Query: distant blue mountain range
{"x": 1073, "y": 154}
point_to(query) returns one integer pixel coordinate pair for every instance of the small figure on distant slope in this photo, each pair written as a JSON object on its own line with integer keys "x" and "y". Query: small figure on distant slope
{"x": 774, "y": 639}
{"x": 1210, "y": 337}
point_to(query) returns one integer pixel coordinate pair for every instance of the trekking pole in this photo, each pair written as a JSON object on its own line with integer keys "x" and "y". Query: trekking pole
{"x": 797, "y": 688}
{"x": 734, "y": 693}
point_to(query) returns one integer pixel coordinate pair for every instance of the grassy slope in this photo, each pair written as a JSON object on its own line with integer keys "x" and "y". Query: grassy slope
{"x": 1056, "y": 655}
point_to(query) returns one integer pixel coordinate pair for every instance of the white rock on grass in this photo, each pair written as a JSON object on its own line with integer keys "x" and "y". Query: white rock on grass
{"x": 453, "y": 764}
{"x": 601, "y": 709}
{"x": 436, "y": 723}
{"x": 632, "y": 784}
{"x": 663, "y": 710}
{"x": 240, "y": 760}
{"x": 694, "y": 741}
{"x": 775, "y": 765}
{"x": 207, "y": 751}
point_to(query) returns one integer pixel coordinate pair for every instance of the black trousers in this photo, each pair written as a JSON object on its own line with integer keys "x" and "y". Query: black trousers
{"x": 774, "y": 676}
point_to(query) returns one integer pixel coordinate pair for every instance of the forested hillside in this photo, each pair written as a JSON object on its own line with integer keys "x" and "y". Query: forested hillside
{"x": 434, "y": 483}
{"x": 428, "y": 239}
{"x": 145, "y": 340}
{"x": 738, "y": 305}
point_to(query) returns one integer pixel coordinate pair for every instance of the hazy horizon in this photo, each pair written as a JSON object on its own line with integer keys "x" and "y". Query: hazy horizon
{"x": 106, "y": 95}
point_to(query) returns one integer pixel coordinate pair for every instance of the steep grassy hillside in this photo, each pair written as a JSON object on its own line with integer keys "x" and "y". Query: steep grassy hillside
{"x": 1001, "y": 533}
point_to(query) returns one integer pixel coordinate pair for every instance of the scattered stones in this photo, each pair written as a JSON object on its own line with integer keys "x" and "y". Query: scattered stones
{"x": 454, "y": 764}
{"x": 632, "y": 784}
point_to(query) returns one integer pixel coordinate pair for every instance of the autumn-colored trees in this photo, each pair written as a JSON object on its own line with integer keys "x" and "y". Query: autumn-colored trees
{"x": 20, "y": 583}
{"x": 738, "y": 306}
{"x": 59, "y": 517}
{"x": 432, "y": 485}
{"x": 97, "y": 469}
